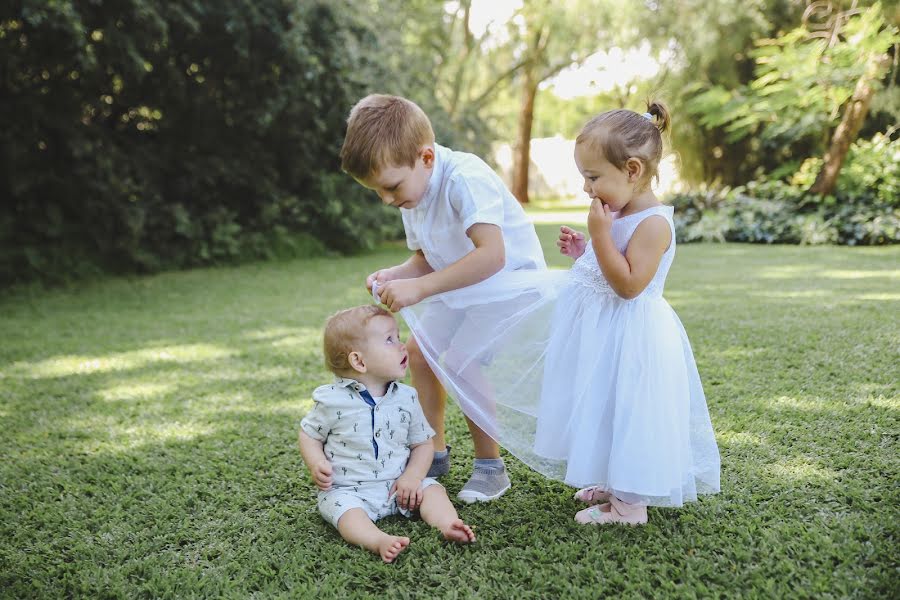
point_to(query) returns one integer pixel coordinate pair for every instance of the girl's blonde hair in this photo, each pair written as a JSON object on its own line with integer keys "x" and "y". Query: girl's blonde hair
{"x": 622, "y": 134}
{"x": 345, "y": 331}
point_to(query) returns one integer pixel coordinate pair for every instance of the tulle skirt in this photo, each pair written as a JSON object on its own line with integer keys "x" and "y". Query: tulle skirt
{"x": 584, "y": 387}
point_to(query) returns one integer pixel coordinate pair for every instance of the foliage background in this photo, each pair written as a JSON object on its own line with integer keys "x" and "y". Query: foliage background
{"x": 142, "y": 135}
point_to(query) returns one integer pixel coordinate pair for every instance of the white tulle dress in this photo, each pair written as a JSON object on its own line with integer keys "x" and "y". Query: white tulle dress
{"x": 580, "y": 384}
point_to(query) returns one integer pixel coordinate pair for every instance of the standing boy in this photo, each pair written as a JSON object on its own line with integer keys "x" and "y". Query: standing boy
{"x": 463, "y": 226}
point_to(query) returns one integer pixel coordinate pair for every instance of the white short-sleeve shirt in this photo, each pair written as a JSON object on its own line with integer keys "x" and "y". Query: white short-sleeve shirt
{"x": 464, "y": 190}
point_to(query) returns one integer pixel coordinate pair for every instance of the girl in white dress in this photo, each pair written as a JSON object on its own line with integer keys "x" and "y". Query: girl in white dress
{"x": 587, "y": 375}
{"x": 622, "y": 404}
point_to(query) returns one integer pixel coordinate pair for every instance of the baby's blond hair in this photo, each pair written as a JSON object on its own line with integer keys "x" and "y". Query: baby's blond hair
{"x": 345, "y": 331}
{"x": 384, "y": 131}
{"x": 622, "y": 134}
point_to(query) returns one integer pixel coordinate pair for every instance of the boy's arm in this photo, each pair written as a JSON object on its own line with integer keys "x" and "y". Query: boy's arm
{"x": 313, "y": 454}
{"x": 415, "y": 266}
{"x": 488, "y": 257}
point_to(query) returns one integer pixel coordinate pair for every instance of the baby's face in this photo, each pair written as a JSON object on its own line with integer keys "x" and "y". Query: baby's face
{"x": 384, "y": 354}
{"x": 403, "y": 187}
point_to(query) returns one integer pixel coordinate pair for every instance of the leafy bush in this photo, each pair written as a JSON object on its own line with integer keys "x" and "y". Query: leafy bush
{"x": 148, "y": 134}
{"x": 865, "y": 210}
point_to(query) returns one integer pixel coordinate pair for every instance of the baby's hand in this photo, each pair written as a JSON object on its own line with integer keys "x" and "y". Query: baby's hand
{"x": 400, "y": 293}
{"x": 409, "y": 491}
{"x": 571, "y": 243}
{"x": 321, "y": 473}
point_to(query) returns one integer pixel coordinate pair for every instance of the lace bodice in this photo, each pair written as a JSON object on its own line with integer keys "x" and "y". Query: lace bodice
{"x": 586, "y": 271}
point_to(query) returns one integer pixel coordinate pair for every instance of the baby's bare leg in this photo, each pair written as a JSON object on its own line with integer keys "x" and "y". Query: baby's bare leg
{"x": 357, "y": 528}
{"x": 431, "y": 394}
{"x": 437, "y": 510}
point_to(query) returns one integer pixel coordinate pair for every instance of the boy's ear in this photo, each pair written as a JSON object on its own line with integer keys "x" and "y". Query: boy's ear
{"x": 356, "y": 361}
{"x": 427, "y": 154}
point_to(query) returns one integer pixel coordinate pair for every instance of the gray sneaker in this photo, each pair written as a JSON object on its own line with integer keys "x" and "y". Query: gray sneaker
{"x": 484, "y": 485}
{"x": 439, "y": 466}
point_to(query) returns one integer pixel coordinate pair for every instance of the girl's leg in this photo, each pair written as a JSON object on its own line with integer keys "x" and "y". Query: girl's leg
{"x": 437, "y": 510}
{"x": 357, "y": 528}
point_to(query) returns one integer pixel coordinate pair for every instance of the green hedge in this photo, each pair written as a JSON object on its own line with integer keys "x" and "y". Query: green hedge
{"x": 865, "y": 210}
{"x": 149, "y": 134}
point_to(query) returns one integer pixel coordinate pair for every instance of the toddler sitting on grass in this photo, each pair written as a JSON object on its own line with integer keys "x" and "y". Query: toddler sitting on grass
{"x": 366, "y": 441}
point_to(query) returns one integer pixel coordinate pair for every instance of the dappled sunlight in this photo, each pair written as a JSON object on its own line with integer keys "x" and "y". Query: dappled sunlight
{"x": 797, "y": 470}
{"x": 104, "y": 435}
{"x": 877, "y": 394}
{"x": 787, "y": 271}
{"x": 734, "y": 352}
{"x": 256, "y": 374}
{"x": 885, "y": 297}
{"x": 787, "y": 295}
{"x": 738, "y": 438}
{"x": 134, "y": 391}
{"x": 308, "y": 338}
{"x": 272, "y": 332}
{"x": 289, "y": 407}
{"x": 855, "y": 274}
{"x": 802, "y": 404}
{"x": 63, "y": 366}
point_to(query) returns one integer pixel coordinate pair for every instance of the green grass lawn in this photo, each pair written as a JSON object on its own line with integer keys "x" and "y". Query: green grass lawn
{"x": 149, "y": 443}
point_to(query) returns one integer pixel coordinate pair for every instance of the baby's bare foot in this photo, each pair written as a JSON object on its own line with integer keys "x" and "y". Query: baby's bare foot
{"x": 457, "y": 531}
{"x": 390, "y": 546}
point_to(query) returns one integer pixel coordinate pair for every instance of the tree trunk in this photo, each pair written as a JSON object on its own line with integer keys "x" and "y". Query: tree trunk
{"x": 523, "y": 149}
{"x": 851, "y": 122}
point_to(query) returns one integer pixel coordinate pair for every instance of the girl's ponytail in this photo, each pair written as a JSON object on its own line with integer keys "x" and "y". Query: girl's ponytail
{"x": 657, "y": 109}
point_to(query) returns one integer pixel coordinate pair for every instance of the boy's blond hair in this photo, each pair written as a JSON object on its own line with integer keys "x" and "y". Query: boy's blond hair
{"x": 345, "y": 331}
{"x": 384, "y": 131}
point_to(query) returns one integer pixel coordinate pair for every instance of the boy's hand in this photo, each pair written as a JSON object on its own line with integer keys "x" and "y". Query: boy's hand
{"x": 409, "y": 491}
{"x": 571, "y": 243}
{"x": 599, "y": 219}
{"x": 381, "y": 276}
{"x": 401, "y": 293}
{"x": 321, "y": 473}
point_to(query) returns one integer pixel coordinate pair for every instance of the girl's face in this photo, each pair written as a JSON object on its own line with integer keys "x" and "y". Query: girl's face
{"x": 614, "y": 187}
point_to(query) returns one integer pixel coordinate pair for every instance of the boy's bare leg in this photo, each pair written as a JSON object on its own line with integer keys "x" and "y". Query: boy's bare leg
{"x": 431, "y": 393}
{"x": 437, "y": 510}
{"x": 485, "y": 446}
{"x": 357, "y": 528}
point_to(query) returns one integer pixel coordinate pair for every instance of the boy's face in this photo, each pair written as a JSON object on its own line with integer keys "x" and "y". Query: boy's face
{"x": 403, "y": 187}
{"x": 383, "y": 354}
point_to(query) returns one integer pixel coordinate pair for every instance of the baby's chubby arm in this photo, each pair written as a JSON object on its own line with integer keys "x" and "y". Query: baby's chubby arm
{"x": 488, "y": 257}
{"x": 314, "y": 456}
{"x": 409, "y": 485}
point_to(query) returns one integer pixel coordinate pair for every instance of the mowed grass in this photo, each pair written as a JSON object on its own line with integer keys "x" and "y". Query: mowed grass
{"x": 149, "y": 443}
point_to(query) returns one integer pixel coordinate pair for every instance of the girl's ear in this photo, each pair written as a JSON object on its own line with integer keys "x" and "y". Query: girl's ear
{"x": 634, "y": 167}
{"x": 356, "y": 361}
